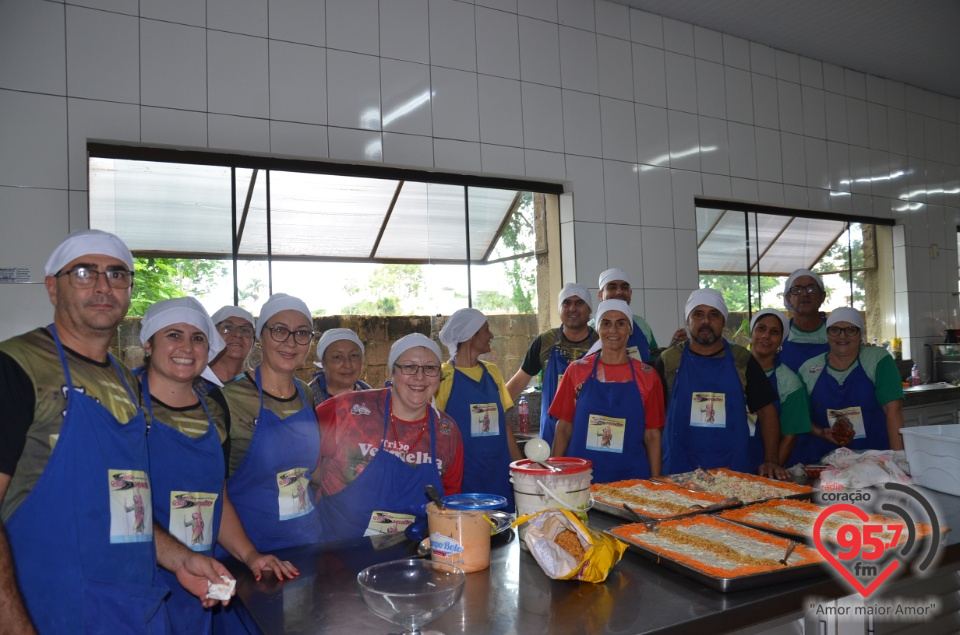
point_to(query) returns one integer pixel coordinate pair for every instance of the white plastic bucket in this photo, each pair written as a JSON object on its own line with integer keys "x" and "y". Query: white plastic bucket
{"x": 536, "y": 488}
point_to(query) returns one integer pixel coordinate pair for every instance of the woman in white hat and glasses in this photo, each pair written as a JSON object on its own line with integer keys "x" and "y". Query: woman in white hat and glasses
{"x": 381, "y": 447}
{"x": 187, "y": 441}
{"x": 274, "y": 440}
{"x": 235, "y": 326}
{"x": 609, "y": 406}
{"x": 766, "y": 335}
{"x": 340, "y": 359}
{"x": 854, "y": 383}
{"x": 473, "y": 392}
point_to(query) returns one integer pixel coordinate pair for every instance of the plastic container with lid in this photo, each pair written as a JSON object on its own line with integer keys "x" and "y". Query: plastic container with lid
{"x": 459, "y": 533}
{"x": 536, "y": 488}
{"x": 485, "y": 502}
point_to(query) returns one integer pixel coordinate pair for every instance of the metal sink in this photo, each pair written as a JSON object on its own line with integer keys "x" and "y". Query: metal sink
{"x": 940, "y": 385}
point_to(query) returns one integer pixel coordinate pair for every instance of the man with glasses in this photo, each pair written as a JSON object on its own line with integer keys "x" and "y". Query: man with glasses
{"x": 553, "y": 350}
{"x": 72, "y": 514}
{"x": 235, "y": 326}
{"x": 856, "y": 397}
{"x": 803, "y": 295}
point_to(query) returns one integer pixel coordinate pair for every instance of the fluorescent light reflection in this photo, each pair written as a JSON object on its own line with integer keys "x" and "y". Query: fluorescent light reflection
{"x": 662, "y": 159}
{"x": 407, "y": 107}
{"x": 872, "y": 179}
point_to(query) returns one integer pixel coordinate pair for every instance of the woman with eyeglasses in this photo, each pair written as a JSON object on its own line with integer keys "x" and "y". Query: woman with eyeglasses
{"x": 855, "y": 390}
{"x": 473, "y": 392}
{"x": 340, "y": 359}
{"x": 235, "y": 326}
{"x": 381, "y": 447}
{"x": 274, "y": 441}
{"x": 187, "y": 441}
{"x": 766, "y": 336}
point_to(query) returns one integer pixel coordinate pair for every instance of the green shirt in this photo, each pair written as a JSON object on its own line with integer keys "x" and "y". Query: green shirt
{"x": 880, "y": 368}
{"x": 794, "y": 403}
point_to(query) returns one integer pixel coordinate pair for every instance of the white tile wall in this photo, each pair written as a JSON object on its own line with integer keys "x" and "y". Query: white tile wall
{"x": 587, "y": 92}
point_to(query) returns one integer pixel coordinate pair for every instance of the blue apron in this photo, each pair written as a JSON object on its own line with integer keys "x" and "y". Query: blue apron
{"x": 193, "y": 467}
{"x": 83, "y": 564}
{"x": 486, "y": 455}
{"x": 687, "y": 447}
{"x": 557, "y": 365}
{"x": 616, "y": 454}
{"x": 756, "y": 439}
{"x": 794, "y": 354}
{"x": 828, "y": 393}
{"x": 639, "y": 340}
{"x": 387, "y": 483}
{"x": 270, "y": 488}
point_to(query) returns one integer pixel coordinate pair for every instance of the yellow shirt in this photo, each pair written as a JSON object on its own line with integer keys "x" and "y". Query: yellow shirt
{"x": 474, "y": 373}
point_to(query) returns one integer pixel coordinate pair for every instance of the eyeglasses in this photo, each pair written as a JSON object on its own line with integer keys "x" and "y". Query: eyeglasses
{"x": 245, "y": 331}
{"x": 281, "y": 334}
{"x": 837, "y": 330}
{"x": 810, "y": 289}
{"x": 84, "y": 278}
{"x": 430, "y": 370}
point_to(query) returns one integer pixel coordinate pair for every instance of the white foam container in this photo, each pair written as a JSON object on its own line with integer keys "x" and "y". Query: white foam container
{"x": 933, "y": 453}
{"x": 536, "y": 489}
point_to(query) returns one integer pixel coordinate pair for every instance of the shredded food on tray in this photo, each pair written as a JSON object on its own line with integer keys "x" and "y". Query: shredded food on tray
{"x": 747, "y": 488}
{"x": 799, "y": 517}
{"x": 654, "y": 500}
{"x": 715, "y": 547}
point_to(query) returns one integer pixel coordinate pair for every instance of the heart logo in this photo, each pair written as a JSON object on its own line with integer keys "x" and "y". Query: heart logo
{"x": 865, "y": 591}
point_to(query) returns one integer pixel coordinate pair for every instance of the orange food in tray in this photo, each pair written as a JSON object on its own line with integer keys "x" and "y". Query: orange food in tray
{"x": 744, "y": 487}
{"x": 716, "y": 547}
{"x": 653, "y": 500}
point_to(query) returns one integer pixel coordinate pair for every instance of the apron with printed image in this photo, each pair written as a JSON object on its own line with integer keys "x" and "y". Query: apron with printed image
{"x": 756, "y": 439}
{"x": 794, "y": 354}
{"x": 707, "y": 417}
{"x": 387, "y": 495}
{"x": 476, "y": 407}
{"x": 270, "y": 489}
{"x": 557, "y": 365}
{"x": 638, "y": 346}
{"x": 187, "y": 475}
{"x": 856, "y": 399}
{"x": 83, "y": 537}
{"x": 608, "y": 428}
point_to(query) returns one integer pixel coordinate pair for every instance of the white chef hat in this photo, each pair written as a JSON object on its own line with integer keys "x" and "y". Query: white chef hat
{"x": 229, "y": 311}
{"x": 460, "y": 327}
{"x": 407, "y": 342}
{"x": 799, "y": 273}
{"x": 709, "y": 297}
{"x": 281, "y": 302}
{"x": 613, "y": 274}
{"x": 846, "y": 314}
{"x": 614, "y": 305}
{"x": 335, "y": 335}
{"x": 570, "y": 290}
{"x": 88, "y": 242}
{"x": 774, "y": 312}
{"x": 187, "y": 310}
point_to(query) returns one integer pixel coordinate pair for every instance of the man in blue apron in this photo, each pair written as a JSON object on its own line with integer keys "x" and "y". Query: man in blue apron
{"x": 553, "y": 351}
{"x": 711, "y": 385}
{"x": 803, "y": 295}
{"x": 642, "y": 345}
{"x": 74, "y": 477}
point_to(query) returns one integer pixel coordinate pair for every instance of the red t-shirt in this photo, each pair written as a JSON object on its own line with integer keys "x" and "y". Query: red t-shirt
{"x": 564, "y": 404}
{"x": 351, "y": 431}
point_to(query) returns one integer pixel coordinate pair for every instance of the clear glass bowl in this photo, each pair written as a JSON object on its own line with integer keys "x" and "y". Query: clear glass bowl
{"x": 411, "y": 592}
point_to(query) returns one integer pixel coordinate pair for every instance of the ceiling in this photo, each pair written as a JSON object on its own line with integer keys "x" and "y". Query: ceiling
{"x": 912, "y": 41}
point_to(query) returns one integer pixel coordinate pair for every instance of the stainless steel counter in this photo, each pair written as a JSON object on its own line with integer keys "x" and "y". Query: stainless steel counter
{"x": 514, "y": 595}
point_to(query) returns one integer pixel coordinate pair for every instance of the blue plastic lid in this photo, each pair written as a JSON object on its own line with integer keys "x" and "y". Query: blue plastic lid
{"x": 474, "y": 501}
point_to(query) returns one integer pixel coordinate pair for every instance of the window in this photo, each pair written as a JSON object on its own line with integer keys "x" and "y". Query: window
{"x": 346, "y": 239}
{"x": 747, "y": 251}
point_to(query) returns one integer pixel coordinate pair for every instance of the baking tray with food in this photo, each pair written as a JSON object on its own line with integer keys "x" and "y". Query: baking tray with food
{"x": 647, "y": 500}
{"x": 720, "y": 554}
{"x": 797, "y": 518}
{"x": 747, "y": 488}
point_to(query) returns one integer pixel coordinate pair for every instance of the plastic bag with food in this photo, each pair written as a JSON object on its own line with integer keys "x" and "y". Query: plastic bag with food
{"x": 855, "y": 470}
{"x": 566, "y": 549}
